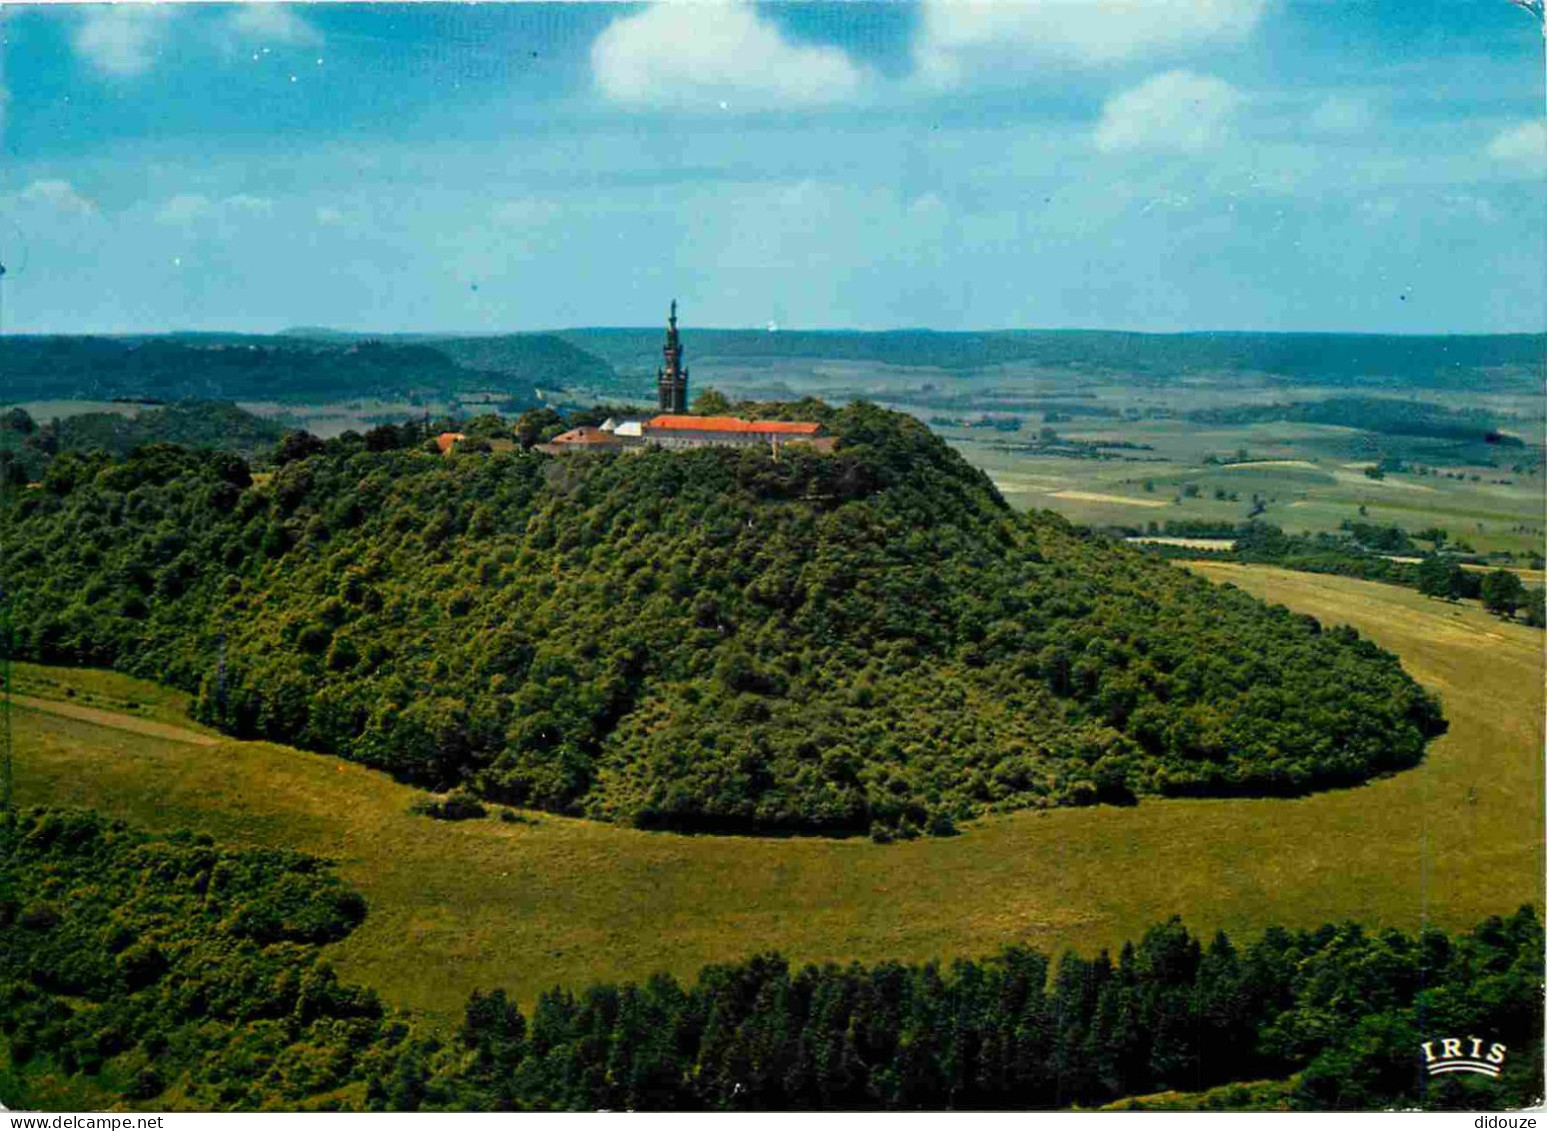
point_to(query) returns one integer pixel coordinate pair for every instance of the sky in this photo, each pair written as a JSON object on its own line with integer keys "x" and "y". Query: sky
{"x": 1156, "y": 165}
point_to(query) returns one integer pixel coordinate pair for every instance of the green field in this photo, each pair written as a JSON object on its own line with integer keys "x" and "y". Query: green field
{"x": 1301, "y": 496}
{"x": 525, "y": 906}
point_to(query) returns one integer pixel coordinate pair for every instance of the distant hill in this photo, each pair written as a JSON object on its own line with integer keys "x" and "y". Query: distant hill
{"x": 545, "y": 360}
{"x": 317, "y": 364}
{"x": 1329, "y": 359}
{"x": 713, "y": 640}
{"x": 237, "y": 367}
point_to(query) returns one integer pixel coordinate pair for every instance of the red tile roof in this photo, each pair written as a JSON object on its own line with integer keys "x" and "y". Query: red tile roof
{"x": 586, "y": 434}
{"x": 446, "y": 439}
{"x": 733, "y": 424}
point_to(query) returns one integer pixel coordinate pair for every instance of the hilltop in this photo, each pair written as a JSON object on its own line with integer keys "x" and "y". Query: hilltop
{"x": 714, "y": 640}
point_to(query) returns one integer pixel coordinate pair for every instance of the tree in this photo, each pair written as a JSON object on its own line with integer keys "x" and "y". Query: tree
{"x": 537, "y": 425}
{"x": 1502, "y": 592}
{"x": 1434, "y": 577}
{"x": 1536, "y": 608}
{"x": 383, "y": 438}
{"x": 17, "y": 420}
{"x": 711, "y": 402}
{"x": 296, "y": 446}
{"x": 13, "y": 473}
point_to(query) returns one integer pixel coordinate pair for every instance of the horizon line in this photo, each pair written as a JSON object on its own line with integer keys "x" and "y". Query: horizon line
{"x": 305, "y": 331}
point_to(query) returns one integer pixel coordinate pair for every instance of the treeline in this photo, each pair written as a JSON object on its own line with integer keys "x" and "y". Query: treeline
{"x": 238, "y": 367}
{"x": 27, "y": 445}
{"x": 1341, "y": 1011}
{"x": 1388, "y": 415}
{"x": 170, "y": 974}
{"x": 713, "y": 639}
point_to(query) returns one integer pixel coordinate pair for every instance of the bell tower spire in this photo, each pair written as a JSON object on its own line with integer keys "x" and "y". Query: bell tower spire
{"x": 671, "y": 381}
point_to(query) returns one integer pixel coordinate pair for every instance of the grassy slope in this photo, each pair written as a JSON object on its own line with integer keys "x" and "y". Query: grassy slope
{"x": 484, "y": 903}
{"x": 107, "y": 691}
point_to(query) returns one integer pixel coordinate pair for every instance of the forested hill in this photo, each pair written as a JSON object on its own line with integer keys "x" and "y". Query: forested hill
{"x": 546, "y": 360}
{"x": 710, "y": 639}
{"x": 236, "y": 367}
{"x": 1314, "y": 359}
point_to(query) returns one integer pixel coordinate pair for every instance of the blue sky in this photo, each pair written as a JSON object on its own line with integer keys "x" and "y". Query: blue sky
{"x": 1362, "y": 165}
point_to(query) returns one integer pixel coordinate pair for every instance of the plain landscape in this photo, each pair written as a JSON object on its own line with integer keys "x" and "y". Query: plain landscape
{"x": 772, "y": 557}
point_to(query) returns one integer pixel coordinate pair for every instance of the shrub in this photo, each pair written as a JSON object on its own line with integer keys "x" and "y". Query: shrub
{"x": 458, "y": 805}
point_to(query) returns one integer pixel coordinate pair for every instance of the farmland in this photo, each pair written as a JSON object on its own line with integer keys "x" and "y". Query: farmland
{"x": 558, "y": 901}
{"x": 1131, "y": 448}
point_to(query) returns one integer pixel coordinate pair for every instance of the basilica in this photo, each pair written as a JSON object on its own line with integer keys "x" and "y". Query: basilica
{"x": 675, "y": 427}
{"x": 671, "y": 380}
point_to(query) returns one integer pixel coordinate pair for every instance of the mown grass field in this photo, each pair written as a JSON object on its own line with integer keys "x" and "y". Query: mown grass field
{"x": 527, "y": 906}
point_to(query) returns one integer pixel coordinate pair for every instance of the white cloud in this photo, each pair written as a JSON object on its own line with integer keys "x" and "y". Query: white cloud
{"x": 123, "y": 40}
{"x": 705, "y": 55}
{"x": 190, "y": 208}
{"x": 1177, "y": 111}
{"x": 961, "y": 39}
{"x": 120, "y": 39}
{"x": 1523, "y": 146}
{"x": 1342, "y": 114}
{"x": 55, "y": 196}
{"x": 271, "y": 23}
{"x": 250, "y": 205}
{"x": 185, "y": 208}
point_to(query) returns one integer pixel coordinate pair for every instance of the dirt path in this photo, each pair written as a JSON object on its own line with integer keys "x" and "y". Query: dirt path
{"x": 116, "y": 720}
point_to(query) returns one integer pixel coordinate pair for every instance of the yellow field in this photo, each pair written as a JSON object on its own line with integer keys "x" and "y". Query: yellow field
{"x": 1187, "y": 543}
{"x": 1098, "y": 497}
{"x": 1305, "y": 463}
{"x": 485, "y": 903}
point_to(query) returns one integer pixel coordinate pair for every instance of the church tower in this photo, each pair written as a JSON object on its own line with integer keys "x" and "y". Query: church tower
{"x": 671, "y": 383}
